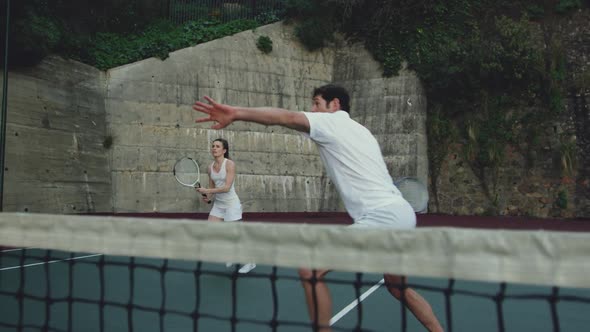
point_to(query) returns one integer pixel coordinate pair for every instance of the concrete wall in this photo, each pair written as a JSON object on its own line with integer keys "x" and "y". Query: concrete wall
{"x": 55, "y": 159}
{"x": 147, "y": 107}
{"x": 150, "y": 117}
{"x": 394, "y": 109}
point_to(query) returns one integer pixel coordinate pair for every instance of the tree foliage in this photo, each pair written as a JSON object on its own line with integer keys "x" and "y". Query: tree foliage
{"x": 479, "y": 61}
{"x": 108, "y": 33}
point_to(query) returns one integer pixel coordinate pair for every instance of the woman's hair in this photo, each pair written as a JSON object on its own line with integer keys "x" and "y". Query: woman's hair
{"x": 225, "y": 146}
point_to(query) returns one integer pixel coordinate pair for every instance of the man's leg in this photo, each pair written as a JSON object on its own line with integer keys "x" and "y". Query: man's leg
{"x": 414, "y": 301}
{"x": 322, "y": 297}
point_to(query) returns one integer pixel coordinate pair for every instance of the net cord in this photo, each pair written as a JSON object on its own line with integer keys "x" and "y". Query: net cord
{"x": 529, "y": 257}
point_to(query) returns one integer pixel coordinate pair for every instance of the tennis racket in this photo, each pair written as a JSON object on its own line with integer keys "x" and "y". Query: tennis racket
{"x": 186, "y": 171}
{"x": 413, "y": 191}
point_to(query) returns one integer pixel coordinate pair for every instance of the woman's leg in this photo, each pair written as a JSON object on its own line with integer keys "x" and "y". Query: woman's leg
{"x": 214, "y": 218}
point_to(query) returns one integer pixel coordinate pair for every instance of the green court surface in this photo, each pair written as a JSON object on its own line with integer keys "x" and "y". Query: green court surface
{"x": 161, "y": 295}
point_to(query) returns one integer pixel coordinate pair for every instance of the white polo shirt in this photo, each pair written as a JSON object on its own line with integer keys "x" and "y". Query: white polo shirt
{"x": 353, "y": 161}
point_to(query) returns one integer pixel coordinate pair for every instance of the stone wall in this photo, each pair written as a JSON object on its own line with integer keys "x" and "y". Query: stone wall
{"x": 533, "y": 181}
{"x": 55, "y": 159}
{"x": 521, "y": 189}
{"x": 394, "y": 109}
{"x": 151, "y": 120}
{"x": 575, "y": 34}
{"x": 63, "y": 111}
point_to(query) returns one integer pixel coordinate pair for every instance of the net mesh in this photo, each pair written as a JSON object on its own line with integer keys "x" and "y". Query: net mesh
{"x": 88, "y": 273}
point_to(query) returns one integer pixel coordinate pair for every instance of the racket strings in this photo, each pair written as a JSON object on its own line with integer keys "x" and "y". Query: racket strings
{"x": 186, "y": 172}
{"x": 415, "y": 193}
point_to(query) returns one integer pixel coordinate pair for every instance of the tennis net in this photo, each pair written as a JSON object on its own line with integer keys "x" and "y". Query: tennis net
{"x": 89, "y": 273}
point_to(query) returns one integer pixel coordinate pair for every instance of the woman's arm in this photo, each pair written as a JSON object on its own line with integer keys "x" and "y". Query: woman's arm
{"x": 204, "y": 191}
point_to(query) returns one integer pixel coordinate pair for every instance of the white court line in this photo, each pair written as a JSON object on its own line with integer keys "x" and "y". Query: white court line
{"x": 50, "y": 262}
{"x": 16, "y": 249}
{"x": 354, "y": 303}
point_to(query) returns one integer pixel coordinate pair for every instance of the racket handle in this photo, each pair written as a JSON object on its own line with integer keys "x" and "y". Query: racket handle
{"x": 204, "y": 195}
{"x": 208, "y": 201}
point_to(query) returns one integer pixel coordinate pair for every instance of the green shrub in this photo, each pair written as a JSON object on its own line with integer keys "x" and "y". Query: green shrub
{"x": 264, "y": 43}
{"x": 110, "y": 33}
{"x": 314, "y": 33}
{"x": 33, "y": 38}
{"x": 108, "y": 50}
{"x": 561, "y": 201}
{"x": 483, "y": 65}
{"x": 564, "y": 6}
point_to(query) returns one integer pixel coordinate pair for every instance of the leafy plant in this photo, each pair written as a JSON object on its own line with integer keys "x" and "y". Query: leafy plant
{"x": 582, "y": 80}
{"x": 564, "y": 6}
{"x": 316, "y": 21}
{"x": 108, "y": 50}
{"x": 36, "y": 36}
{"x": 111, "y": 33}
{"x": 561, "y": 201}
{"x": 483, "y": 65}
{"x": 314, "y": 33}
{"x": 568, "y": 152}
{"x": 440, "y": 134}
{"x": 264, "y": 43}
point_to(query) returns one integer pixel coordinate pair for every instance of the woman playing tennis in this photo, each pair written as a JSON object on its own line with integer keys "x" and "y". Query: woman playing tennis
{"x": 226, "y": 204}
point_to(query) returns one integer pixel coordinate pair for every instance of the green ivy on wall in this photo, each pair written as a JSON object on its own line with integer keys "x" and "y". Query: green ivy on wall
{"x": 264, "y": 43}
{"x": 108, "y": 33}
{"x": 489, "y": 78}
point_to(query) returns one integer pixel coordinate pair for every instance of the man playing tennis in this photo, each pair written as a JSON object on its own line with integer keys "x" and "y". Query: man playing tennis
{"x": 355, "y": 165}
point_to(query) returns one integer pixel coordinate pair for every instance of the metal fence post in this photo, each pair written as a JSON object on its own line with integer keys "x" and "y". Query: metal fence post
{"x": 4, "y": 109}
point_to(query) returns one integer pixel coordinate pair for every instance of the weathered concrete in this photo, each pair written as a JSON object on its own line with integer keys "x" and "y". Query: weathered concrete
{"x": 55, "y": 159}
{"x": 394, "y": 109}
{"x": 146, "y": 108}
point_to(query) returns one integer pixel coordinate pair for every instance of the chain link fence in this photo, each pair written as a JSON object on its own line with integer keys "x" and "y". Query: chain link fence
{"x": 181, "y": 11}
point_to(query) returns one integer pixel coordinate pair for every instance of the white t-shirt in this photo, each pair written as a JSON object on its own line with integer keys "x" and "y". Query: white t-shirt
{"x": 353, "y": 161}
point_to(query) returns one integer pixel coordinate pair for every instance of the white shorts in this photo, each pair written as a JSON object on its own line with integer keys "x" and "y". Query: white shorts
{"x": 399, "y": 215}
{"x": 231, "y": 212}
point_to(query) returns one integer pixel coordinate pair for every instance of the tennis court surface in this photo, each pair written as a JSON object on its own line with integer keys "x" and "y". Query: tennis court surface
{"x": 131, "y": 273}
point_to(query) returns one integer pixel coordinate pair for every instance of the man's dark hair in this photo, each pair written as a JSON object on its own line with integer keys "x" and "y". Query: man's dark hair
{"x": 330, "y": 92}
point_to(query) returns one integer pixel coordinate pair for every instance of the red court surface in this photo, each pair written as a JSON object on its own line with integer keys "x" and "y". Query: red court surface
{"x": 424, "y": 220}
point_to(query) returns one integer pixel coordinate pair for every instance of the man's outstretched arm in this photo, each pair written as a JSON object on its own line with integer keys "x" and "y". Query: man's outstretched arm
{"x": 224, "y": 115}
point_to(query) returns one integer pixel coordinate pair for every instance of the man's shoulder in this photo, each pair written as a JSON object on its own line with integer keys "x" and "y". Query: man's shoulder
{"x": 325, "y": 116}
